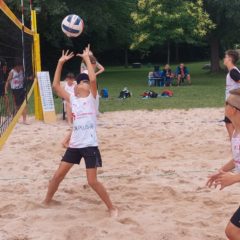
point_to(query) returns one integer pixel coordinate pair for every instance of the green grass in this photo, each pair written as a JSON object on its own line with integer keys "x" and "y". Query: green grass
{"x": 207, "y": 90}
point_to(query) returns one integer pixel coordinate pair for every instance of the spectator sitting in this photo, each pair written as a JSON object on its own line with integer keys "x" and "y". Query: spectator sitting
{"x": 182, "y": 73}
{"x": 151, "y": 80}
{"x": 167, "y": 75}
{"x": 158, "y": 76}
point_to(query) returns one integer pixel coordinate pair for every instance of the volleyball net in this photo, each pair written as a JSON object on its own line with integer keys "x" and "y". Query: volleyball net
{"x": 17, "y": 67}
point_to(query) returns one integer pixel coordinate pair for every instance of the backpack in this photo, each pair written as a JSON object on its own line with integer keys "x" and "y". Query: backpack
{"x": 104, "y": 93}
{"x": 124, "y": 94}
{"x": 150, "y": 94}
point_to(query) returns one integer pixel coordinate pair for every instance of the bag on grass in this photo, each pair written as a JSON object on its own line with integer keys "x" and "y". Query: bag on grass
{"x": 167, "y": 93}
{"x": 149, "y": 94}
{"x": 124, "y": 93}
{"x": 104, "y": 93}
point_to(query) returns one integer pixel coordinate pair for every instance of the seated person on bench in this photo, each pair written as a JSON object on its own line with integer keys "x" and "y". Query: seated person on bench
{"x": 157, "y": 75}
{"x": 182, "y": 74}
{"x": 167, "y": 75}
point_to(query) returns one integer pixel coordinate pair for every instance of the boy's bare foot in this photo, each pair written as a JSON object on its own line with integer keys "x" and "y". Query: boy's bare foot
{"x": 113, "y": 213}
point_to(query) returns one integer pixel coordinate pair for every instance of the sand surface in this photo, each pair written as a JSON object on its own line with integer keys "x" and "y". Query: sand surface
{"x": 155, "y": 166}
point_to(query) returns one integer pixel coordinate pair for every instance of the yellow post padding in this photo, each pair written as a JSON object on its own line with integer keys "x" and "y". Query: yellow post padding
{"x": 37, "y": 65}
{"x": 14, "y": 19}
{"x": 8, "y": 131}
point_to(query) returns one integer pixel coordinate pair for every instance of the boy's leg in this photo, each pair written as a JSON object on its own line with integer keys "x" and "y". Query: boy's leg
{"x": 232, "y": 232}
{"x": 99, "y": 188}
{"x": 188, "y": 78}
{"x": 59, "y": 175}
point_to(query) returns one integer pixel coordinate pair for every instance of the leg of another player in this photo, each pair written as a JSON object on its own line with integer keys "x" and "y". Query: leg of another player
{"x": 66, "y": 140}
{"x": 69, "y": 113}
{"x": 230, "y": 129}
{"x": 59, "y": 175}
{"x": 24, "y": 115}
{"x": 100, "y": 190}
{"x": 232, "y": 232}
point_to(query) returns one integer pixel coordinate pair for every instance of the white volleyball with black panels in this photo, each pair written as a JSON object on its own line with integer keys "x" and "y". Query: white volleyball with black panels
{"x": 72, "y": 25}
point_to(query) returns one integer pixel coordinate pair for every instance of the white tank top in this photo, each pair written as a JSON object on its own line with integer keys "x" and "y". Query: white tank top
{"x": 84, "y": 112}
{"x": 70, "y": 89}
{"x": 231, "y": 84}
{"x": 236, "y": 150}
{"x": 17, "y": 80}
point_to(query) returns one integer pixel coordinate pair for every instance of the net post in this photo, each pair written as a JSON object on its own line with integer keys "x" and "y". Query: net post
{"x": 37, "y": 66}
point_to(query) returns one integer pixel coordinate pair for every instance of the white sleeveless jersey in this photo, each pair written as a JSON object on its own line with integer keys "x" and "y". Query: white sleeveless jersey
{"x": 84, "y": 112}
{"x": 235, "y": 142}
{"x": 70, "y": 89}
{"x": 231, "y": 84}
{"x": 17, "y": 80}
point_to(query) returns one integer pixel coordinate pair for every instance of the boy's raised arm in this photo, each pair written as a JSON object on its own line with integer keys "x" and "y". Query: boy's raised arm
{"x": 57, "y": 76}
{"x": 91, "y": 72}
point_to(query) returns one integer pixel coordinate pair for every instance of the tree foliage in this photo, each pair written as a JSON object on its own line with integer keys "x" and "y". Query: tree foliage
{"x": 107, "y": 23}
{"x": 160, "y": 21}
{"x": 225, "y": 14}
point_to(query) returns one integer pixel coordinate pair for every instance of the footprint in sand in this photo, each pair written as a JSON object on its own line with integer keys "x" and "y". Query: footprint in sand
{"x": 26, "y": 168}
{"x": 85, "y": 232}
{"x": 19, "y": 238}
{"x": 3, "y": 235}
{"x": 128, "y": 221}
{"x": 33, "y": 205}
{"x": 8, "y": 208}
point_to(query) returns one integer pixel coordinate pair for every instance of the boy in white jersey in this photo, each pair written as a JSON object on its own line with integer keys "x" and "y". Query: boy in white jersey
{"x": 83, "y": 142}
{"x": 69, "y": 87}
{"x": 232, "y": 81}
{"x": 225, "y": 177}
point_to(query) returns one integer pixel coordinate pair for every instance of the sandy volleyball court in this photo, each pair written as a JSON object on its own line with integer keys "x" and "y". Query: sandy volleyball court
{"x": 155, "y": 168}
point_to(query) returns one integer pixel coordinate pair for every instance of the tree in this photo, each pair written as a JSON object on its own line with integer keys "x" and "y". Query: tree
{"x": 159, "y": 22}
{"x": 225, "y": 14}
{"x": 107, "y": 24}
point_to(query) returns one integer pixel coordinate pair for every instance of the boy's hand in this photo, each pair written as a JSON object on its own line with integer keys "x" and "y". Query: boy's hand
{"x": 212, "y": 178}
{"x": 226, "y": 179}
{"x": 86, "y": 53}
{"x": 65, "y": 56}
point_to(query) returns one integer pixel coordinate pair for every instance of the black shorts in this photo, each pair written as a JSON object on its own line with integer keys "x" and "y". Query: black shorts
{"x": 91, "y": 156}
{"x": 227, "y": 120}
{"x": 235, "y": 220}
{"x": 19, "y": 96}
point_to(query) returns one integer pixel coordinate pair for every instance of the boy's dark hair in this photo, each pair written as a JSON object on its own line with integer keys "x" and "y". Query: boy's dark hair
{"x": 81, "y": 77}
{"x": 234, "y": 55}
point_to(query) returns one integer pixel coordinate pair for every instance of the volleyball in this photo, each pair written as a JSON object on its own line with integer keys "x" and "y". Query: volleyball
{"x": 72, "y": 25}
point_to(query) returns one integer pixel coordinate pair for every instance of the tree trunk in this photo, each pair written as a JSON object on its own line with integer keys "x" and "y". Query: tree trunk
{"x": 214, "y": 44}
{"x": 168, "y": 53}
{"x": 126, "y": 58}
{"x": 177, "y": 52}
